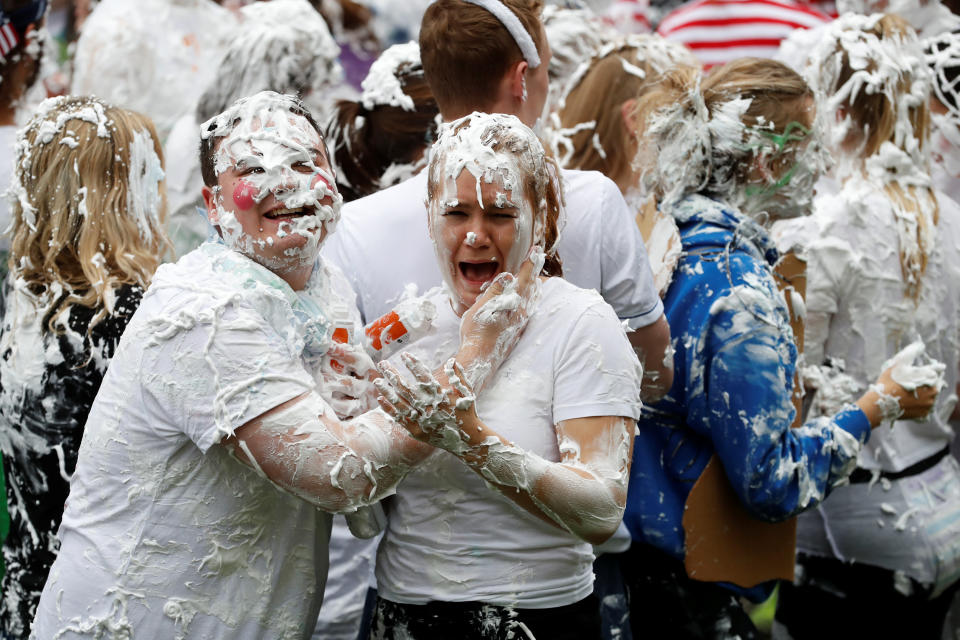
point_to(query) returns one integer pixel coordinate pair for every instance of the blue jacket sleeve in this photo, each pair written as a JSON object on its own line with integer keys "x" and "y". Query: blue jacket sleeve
{"x": 749, "y": 360}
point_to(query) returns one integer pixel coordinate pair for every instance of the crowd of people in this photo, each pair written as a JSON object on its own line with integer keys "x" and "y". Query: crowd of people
{"x": 480, "y": 319}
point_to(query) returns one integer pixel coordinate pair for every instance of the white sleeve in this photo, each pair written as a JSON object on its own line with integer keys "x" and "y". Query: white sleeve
{"x": 598, "y": 373}
{"x": 626, "y": 278}
{"x": 216, "y": 376}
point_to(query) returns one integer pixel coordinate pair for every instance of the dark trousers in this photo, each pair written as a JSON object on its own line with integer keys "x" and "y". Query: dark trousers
{"x": 665, "y": 603}
{"x": 479, "y": 621}
{"x": 833, "y": 599}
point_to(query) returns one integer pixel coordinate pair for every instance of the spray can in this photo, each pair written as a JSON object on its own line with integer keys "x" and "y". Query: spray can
{"x": 400, "y": 326}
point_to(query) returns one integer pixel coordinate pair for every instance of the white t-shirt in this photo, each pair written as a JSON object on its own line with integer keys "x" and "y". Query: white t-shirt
{"x": 165, "y": 534}
{"x": 8, "y": 136}
{"x": 857, "y": 310}
{"x": 452, "y": 538}
{"x": 382, "y": 243}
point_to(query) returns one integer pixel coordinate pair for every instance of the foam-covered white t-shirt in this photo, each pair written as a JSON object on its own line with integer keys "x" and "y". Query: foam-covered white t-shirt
{"x": 165, "y": 534}
{"x": 452, "y": 538}
{"x": 858, "y": 312}
{"x": 383, "y": 244}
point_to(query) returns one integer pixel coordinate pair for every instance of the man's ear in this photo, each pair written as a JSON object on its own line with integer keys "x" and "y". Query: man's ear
{"x": 518, "y": 80}
{"x": 209, "y": 201}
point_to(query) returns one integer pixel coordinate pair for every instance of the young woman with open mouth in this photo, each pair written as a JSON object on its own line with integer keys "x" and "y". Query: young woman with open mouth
{"x": 491, "y": 536}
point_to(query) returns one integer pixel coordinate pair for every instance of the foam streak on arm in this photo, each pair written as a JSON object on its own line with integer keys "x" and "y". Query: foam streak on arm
{"x": 584, "y": 493}
{"x": 338, "y": 466}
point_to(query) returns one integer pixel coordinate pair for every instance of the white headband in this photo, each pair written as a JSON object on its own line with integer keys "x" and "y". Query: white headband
{"x": 513, "y": 25}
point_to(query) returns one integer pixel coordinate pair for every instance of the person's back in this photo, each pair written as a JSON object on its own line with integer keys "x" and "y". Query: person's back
{"x": 880, "y": 274}
{"x": 854, "y": 269}
{"x": 72, "y": 295}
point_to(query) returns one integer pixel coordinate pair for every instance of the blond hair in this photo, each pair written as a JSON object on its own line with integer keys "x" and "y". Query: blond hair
{"x": 617, "y": 74}
{"x": 890, "y": 114}
{"x": 75, "y": 240}
{"x": 687, "y": 143}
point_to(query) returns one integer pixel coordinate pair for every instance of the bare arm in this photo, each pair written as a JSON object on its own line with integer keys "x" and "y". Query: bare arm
{"x": 584, "y": 493}
{"x": 303, "y": 448}
{"x": 652, "y": 345}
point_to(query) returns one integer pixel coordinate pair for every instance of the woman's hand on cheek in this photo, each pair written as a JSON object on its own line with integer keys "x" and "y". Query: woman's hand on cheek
{"x": 437, "y": 409}
{"x": 491, "y": 327}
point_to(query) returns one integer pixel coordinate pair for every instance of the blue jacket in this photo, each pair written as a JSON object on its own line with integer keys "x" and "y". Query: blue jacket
{"x": 733, "y": 375}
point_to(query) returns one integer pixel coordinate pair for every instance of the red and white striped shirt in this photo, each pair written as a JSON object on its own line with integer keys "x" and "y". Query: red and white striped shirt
{"x": 8, "y": 38}
{"x": 718, "y": 31}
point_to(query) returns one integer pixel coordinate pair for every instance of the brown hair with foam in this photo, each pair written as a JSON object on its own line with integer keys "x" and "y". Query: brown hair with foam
{"x": 598, "y": 98}
{"x": 466, "y": 50}
{"x": 80, "y": 235}
{"x": 541, "y": 180}
{"x": 364, "y": 149}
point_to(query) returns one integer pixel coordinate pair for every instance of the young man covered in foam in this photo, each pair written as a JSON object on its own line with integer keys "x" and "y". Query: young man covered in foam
{"x": 883, "y": 256}
{"x": 492, "y": 56}
{"x": 725, "y": 154}
{"x": 489, "y": 538}
{"x": 213, "y": 452}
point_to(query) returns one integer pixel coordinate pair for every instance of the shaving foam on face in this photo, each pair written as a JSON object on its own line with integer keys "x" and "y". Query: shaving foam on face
{"x": 468, "y": 144}
{"x": 277, "y": 152}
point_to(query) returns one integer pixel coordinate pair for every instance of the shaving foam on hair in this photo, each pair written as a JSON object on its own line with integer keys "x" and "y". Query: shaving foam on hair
{"x": 146, "y": 174}
{"x": 879, "y": 66}
{"x": 468, "y": 145}
{"x": 382, "y": 84}
{"x": 893, "y": 67}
